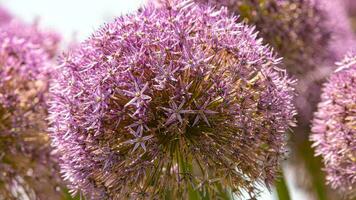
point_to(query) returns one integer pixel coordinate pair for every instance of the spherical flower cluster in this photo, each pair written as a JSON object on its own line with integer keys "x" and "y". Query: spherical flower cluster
{"x": 169, "y": 102}
{"x": 334, "y": 127}
{"x": 27, "y": 168}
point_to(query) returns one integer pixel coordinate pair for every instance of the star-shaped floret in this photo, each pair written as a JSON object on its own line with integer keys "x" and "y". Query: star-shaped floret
{"x": 175, "y": 112}
{"x": 137, "y": 133}
{"x": 140, "y": 125}
{"x": 201, "y": 113}
{"x": 166, "y": 74}
{"x": 138, "y": 96}
{"x": 139, "y": 141}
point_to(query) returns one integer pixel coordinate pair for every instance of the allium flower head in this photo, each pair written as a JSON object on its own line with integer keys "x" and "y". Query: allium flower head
{"x": 26, "y": 166}
{"x": 334, "y": 127}
{"x": 170, "y": 101}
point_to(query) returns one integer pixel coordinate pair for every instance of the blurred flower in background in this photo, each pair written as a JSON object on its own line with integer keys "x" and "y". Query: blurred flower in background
{"x": 334, "y": 127}
{"x": 28, "y": 168}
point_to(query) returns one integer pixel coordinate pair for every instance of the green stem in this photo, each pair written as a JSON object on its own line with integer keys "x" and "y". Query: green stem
{"x": 282, "y": 189}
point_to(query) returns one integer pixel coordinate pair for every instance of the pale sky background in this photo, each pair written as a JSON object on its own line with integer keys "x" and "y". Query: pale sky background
{"x": 79, "y": 18}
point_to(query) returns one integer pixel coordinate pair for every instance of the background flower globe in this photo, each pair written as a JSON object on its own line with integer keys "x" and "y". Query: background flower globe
{"x": 334, "y": 130}
{"x": 170, "y": 102}
{"x": 28, "y": 168}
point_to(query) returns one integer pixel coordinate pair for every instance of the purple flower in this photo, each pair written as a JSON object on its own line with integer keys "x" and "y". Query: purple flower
{"x": 170, "y": 101}
{"x": 27, "y": 166}
{"x": 334, "y": 127}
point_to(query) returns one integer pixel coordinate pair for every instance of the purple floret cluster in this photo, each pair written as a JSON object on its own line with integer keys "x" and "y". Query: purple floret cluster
{"x": 334, "y": 127}
{"x": 27, "y": 166}
{"x": 182, "y": 99}
{"x": 166, "y": 101}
